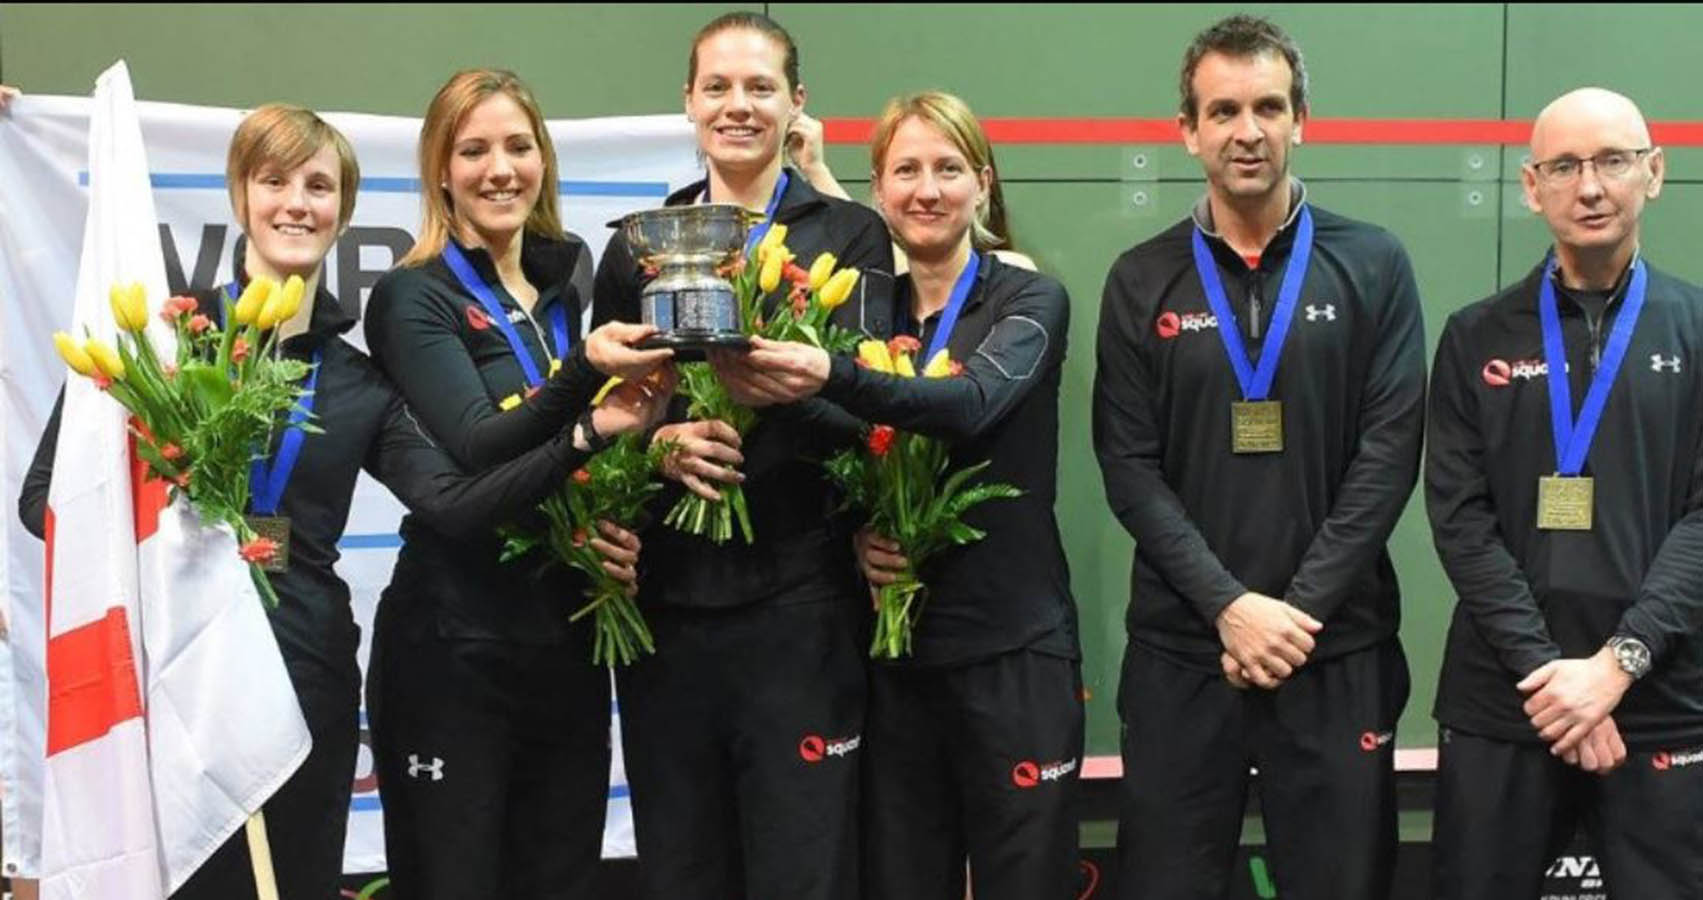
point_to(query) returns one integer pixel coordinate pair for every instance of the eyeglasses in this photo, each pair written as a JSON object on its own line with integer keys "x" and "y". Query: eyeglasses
{"x": 1609, "y": 164}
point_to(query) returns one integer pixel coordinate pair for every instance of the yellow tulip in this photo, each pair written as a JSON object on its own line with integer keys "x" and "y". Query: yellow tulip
{"x": 940, "y": 366}
{"x": 129, "y": 306}
{"x": 821, "y": 269}
{"x": 253, "y": 298}
{"x": 902, "y": 365}
{"x": 874, "y": 355}
{"x": 73, "y": 355}
{"x": 293, "y": 288}
{"x": 838, "y": 289}
{"x": 770, "y": 277}
{"x": 775, "y": 237}
{"x": 271, "y": 312}
{"x": 105, "y": 358}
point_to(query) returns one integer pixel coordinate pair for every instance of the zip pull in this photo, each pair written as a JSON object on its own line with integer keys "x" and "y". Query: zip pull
{"x": 1254, "y": 306}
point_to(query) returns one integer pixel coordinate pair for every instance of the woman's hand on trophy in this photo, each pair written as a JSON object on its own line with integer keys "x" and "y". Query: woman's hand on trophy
{"x": 620, "y": 551}
{"x": 635, "y": 405}
{"x": 704, "y": 452}
{"x": 746, "y": 385}
{"x": 879, "y": 557}
{"x": 609, "y": 348}
{"x": 793, "y": 369}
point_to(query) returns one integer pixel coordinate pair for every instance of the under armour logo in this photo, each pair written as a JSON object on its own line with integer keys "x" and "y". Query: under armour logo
{"x": 415, "y": 767}
{"x": 1326, "y": 312}
{"x": 1658, "y": 363}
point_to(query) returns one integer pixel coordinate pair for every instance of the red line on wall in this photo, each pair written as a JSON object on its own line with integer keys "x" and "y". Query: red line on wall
{"x": 1318, "y": 131}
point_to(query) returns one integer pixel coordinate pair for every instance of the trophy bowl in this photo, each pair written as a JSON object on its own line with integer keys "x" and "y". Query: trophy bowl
{"x": 692, "y": 306}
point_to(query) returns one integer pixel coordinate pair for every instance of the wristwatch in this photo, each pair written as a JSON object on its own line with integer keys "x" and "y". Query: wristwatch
{"x": 595, "y": 442}
{"x": 1631, "y": 654}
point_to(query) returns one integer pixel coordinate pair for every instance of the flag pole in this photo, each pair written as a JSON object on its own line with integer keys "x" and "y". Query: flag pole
{"x": 260, "y": 853}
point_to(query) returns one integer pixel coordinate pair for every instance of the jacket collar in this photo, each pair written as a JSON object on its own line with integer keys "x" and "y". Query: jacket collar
{"x": 1279, "y": 245}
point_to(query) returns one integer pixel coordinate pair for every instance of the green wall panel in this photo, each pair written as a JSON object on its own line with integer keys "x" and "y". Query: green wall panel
{"x": 590, "y": 59}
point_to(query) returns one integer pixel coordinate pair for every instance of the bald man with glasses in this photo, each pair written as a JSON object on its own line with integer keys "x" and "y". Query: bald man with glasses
{"x": 1564, "y": 482}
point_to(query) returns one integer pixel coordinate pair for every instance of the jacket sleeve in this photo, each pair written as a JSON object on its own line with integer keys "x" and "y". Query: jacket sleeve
{"x": 1669, "y": 607}
{"x": 615, "y": 290}
{"x": 417, "y": 339}
{"x": 1385, "y": 464}
{"x": 451, "y": 501}
{"x": 32, "y": 499}
{"x": 1486, "y": 577}
{"x": 1023, "y": 345}
{"x": 1130, "y": 447}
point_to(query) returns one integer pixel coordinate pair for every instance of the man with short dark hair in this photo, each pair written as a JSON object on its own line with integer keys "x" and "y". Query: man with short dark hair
{"x": 1258, "y": 408}
{"x": 1564, "y": 481}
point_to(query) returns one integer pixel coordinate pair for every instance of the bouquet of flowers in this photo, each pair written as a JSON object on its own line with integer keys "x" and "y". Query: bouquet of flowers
{"x": 614, "y": 486}
{"x": 802, "y": 315}
{"x": 205, "y": 413}
{"x": 900, "y": 480}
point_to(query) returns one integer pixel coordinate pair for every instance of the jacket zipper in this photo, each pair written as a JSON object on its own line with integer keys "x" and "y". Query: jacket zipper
{"x": 1254, "y": 305}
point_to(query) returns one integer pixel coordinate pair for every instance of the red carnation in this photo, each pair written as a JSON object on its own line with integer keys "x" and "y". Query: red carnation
{"x": 904, "y": 343}
{"x": 259, "y": 551}
{"x": 239, "y": 350}
{"x": 581, "y": 476}
{"x": 796, "y": 274}
{"x": 579, "y": 537}
{"x": 881, "y": 439}
{"x": 199, "y": 323}
{"x": 171, "y": 452}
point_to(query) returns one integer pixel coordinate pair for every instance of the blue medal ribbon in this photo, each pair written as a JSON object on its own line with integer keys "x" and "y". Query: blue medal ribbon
{"x": 954, "y": 305}
{"x": 266, "y": 483}
{"x": 758, "y": 231}
{"x": 1573, "y": 441}
{"x": 475, "y": 285}
{"x": 1256, "y": 382}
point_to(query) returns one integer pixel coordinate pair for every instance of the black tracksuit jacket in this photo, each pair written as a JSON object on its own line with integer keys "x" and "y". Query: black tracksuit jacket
{"x": 1012, "y": 588}
{"x": 456, "y": 369}
{"x": 799, "y": 542}
{"x": 1308, "y": 524}
{"x": 1528, "y": 596}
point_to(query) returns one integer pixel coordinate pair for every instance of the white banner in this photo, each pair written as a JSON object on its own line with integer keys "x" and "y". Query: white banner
{"x": 608, "y": 167}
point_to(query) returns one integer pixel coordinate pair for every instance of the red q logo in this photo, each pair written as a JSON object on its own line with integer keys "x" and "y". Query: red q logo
{"x": 1661, "y": 761}
{"x": 1026, "y": 775}
{"x": 1169, "y": 325}
{"x": 1368, "y": 742}
{"x": 812, "y": 749}
{"x": 1497, "y": 373}
{"x": 476, "y": 318}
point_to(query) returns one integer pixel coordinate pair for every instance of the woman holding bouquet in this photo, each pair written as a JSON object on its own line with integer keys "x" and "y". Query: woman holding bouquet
{"x": 490, "y": 724}
{"x": 741, "y": 733}
{"x": 293, "y": 181}
{"x": 974, "y": 739}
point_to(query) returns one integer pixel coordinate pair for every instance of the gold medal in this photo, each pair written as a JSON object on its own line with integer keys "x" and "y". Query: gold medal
{"x": 277, "y": 530}
{"x": 1564, "y": 502}
{"x": 1256, "y": 426}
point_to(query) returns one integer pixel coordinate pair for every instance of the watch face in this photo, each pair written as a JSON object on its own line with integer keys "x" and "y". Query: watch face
{"x": 1632, "y": 656}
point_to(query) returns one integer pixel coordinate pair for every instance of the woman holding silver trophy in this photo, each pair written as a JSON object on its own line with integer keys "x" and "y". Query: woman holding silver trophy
{"x": 490, "y": 729}
{"x": 741, "y": 732}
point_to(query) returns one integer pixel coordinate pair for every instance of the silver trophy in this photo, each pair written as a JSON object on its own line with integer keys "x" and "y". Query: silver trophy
{"x": 692, "y": 306}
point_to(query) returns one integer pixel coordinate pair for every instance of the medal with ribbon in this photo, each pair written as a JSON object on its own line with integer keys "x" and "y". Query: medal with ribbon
{"x": 1565, "y": 500}
{"x": 1256, "y": 422}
